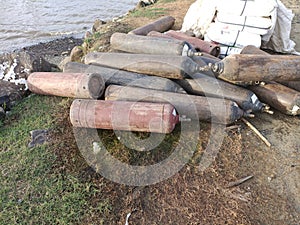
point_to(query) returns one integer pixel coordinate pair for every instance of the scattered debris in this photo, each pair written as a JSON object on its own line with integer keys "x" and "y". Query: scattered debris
{"x": 257, "y": 132}
{"x": 38, "y": 137}
{"x": 239, "y": 182}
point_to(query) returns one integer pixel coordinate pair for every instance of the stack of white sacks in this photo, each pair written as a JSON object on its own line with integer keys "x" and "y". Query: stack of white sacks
{"x": 238, "y": 23}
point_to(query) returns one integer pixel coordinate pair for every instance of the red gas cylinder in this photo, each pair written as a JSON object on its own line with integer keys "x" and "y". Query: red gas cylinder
{"x": 122, "y": 115}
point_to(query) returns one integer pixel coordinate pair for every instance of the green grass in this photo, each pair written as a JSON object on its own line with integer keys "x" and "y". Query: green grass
{"x": 149, "y": 12}
{"x": 32, "y": 190}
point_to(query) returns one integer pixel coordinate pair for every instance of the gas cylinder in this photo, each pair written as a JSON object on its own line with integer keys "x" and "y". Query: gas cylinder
{"x": 122, "y": 115}
{"x": 161, "y": 25}
{"x": 214, "y": 110}
{"x": 280, "y": 97}
{"x": 246, "y": 68}
{"x": 292, "y": 84}
{"x": 79, "y": 85}
{"x": 174, "y": 67}
{"x": 197, "y": 43}
{"x": 212, "y": 87}
{"x": 121, "y": 77}
{"x": 150, "y": 45}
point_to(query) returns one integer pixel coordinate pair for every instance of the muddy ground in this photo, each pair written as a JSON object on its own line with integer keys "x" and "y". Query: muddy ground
{"x": 272, "y": 196}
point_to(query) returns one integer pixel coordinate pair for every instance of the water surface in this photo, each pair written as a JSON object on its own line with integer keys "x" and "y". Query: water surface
{"x": 26, "y": 22}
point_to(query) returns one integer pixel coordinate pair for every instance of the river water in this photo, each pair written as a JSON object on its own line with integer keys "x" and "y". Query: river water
{"x": 27, "y": 22}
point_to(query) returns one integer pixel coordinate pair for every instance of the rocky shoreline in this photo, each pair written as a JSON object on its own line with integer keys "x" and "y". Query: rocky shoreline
{"x": 17, "y": 65}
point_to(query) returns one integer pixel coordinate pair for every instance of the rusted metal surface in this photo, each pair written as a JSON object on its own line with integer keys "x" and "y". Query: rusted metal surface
{"x": 282, "y": 98}
{"x": 122, "y": 77}
{"x": 253, "y": 50}
{"x": 201, "y": 54}
{"x": 194, "y": 107}
{"x": 118, "y": 115}
{"x": 198, "y": 44}
{"x": 209, "y": 86}
{"x": 279, "y": 96}
{"x": 75, "y": 85}
{"x": 161, "y": 25}
{"x": 174, "y": 67}
{"x": 292, "y": 84}
{"x": 247, "y": 68}
{"x": 149, "y": 45}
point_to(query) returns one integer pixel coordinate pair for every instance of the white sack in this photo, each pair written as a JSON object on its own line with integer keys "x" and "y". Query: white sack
{"x": 261, "y": 8}
{"x": 233, "y": 38}
{"x": 279, "y": 40}
{"x": 252, "y": 24}
{"x": 199, "y": 16}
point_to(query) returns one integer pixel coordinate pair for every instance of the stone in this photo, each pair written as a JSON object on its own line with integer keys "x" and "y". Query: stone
{"x": 15, "y": 67}
{"x": 144, "y": 3}
{"x": 2, "y": 114}
{"x": 97, "y": 25}
{"x": 64, "y": 62}
{"x": 38, "y": 137}
{"x": 76, "y": 54}
{"x": 12, "y": 92}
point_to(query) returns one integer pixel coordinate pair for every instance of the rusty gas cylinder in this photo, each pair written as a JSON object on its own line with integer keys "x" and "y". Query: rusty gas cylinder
{"x": 193, "y": 107}
{"x": 174, "y": 67}
{"x": 209, "y": 86}
{"x": 122, "y": 115}
{"x": 292, "y": 84}
{"x": 79, "y": 85}
{"x": 150, "y": 45}
{"x": 239, "y": 68}
{"x": 198, "y": 44}
{"x": 122, "y": 77}
{"x": 280, "y": 97}
{"x": 161, "y": 25}
{"x": 195, "y": 52}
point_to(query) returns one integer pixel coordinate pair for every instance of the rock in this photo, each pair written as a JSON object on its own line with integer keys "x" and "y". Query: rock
{"x": 38, "y": 137}
{"x": 97, "y": 25}
{"x": 2, "y": 114}
{"x": 12, "y": 92}
{"x": 15, "y": 67}
{"x": 144, "y": 3}
{"x": 87, "y": 35}
{"x": 64, "y": 62}
{"x": 76, "y": 54}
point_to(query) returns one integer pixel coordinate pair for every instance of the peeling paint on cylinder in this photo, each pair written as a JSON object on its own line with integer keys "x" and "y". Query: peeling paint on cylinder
{"x": 163, "y": 24}
{"x": 174, "y": 67}
{"x": 150, "y": 45}
{"x": 214, "y": 110}
{"x": 122, "y": 115}
{"x": 246, "y": 68}
{"x": 79, "y": 85}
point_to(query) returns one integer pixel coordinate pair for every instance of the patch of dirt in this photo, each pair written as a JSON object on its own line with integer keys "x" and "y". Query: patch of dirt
{"x": 272, "y": 196}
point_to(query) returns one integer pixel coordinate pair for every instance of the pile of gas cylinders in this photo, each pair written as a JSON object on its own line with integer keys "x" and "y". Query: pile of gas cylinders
{"x": 155, "y": 77}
